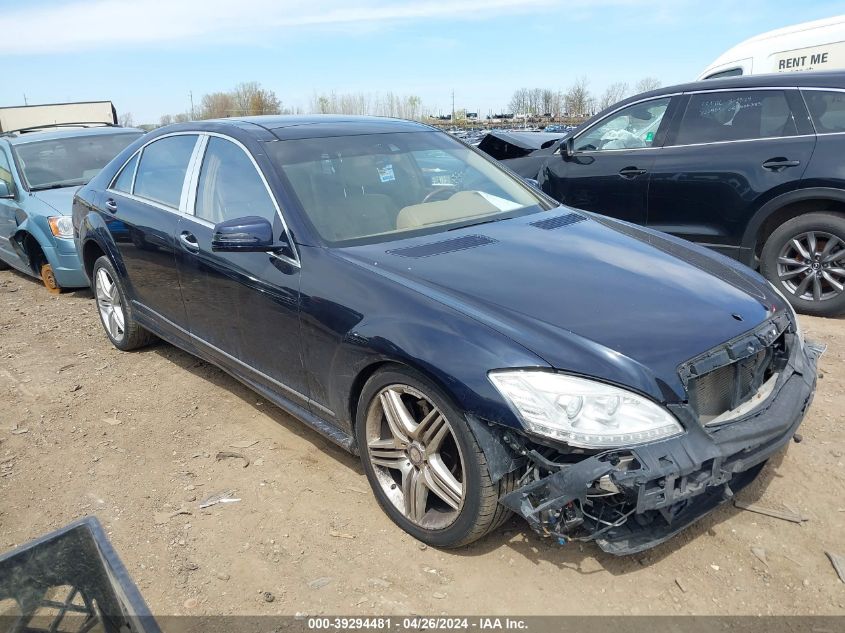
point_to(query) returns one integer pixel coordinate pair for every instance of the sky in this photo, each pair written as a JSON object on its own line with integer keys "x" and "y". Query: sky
{"x": 148, "y": 56}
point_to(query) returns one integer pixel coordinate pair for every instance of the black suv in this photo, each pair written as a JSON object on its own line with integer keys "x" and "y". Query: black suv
{"x": 753, "y": 167}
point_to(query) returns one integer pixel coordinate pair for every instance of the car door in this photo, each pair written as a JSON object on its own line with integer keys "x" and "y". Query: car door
{"x": 8, "y": 212}
{"x": 608, "y": 169}
{"x": 728, "y": 153}
{"x": 142, "y": 207}
{"x": 243, "y": 306}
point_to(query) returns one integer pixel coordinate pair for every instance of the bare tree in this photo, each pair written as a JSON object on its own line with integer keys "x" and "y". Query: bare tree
{"x": 216, "y": 105}
{"x": 251, "y": 99}
{"x": 519, "y": 101}
{"x": 613, "y": 93}
{"x": 166, "y": 119}
{"x": 647, "y": 83}
{"x": 126, "y": 120}
{"x": 391, "y": 104}
{"x": 577, "y": 99}
{"x": 182, "y": 117}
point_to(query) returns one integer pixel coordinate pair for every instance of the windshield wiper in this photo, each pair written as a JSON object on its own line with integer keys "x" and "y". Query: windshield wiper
{"x": 54, "y": 186}
{"x": 478, "y": 222}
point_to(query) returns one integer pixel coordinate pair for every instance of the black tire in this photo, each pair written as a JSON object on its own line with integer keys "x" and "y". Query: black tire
{"x": 133, "y": 336}
{"x": 823, "y": 222}
{"x": 481, "y": 512}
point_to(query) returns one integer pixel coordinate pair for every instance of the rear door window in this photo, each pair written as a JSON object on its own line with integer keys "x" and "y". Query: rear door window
{"x": 714, "y": 117}
{"x": 123, "y": 182}
{"x": 161, "y": 172}
{"x": 827, "y": 108}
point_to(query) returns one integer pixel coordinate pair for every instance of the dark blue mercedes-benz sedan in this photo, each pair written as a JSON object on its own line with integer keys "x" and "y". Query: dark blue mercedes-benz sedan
{"x": 485, "y": 350}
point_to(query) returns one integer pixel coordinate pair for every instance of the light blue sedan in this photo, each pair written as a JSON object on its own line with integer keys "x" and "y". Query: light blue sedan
{"x": 40, "y": 170}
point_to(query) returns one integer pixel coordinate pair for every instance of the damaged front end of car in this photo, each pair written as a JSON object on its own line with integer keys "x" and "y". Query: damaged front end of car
{"x": 746, "y": 399}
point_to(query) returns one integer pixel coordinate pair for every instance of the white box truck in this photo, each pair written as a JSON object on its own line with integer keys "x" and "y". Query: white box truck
{"x": 65, "y": 114}
{"x": 816, "y": 45}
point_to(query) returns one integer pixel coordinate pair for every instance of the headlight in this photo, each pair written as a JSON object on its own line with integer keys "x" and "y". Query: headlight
{"x": 798, "y": 331}
{"x": 583, "y": 412}
{"x": 61, "y": 225}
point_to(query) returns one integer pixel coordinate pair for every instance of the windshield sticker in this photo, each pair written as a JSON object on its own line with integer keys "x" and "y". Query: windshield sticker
{"x": 385, "y": 173}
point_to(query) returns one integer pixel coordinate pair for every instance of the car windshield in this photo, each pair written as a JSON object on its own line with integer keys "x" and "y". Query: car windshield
{"x": 69, "y": 161}
{"x": 372, "y": 187}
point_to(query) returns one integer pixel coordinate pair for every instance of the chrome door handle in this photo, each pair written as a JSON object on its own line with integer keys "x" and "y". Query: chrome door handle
{"x": 631, "y": 172}
{"x": 776, "y": 164}
{"x": 111, "y": 205}
{"x": 189, "y": 242}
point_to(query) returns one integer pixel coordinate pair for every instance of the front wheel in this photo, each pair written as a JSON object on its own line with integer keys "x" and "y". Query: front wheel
{"x": 115, "y": 311}
{"x": 423, "y": 463}
{"x": 805, "y": 259}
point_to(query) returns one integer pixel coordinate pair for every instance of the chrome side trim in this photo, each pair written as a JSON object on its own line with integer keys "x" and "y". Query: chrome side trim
{"x": 749, "y": 89}
{"x": 197, "y": 339}
{"x": 196, "y": 158}
{"x": 742, "y": 140}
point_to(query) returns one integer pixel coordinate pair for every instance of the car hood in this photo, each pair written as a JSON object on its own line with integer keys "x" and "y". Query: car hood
{"x": 585, "y": 293}
{"x": 59, "y": 199}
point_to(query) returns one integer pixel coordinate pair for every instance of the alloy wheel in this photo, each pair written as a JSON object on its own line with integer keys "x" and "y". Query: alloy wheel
{"x": 811, "y": 266}
{"x": 108, "y": 302}
{"x": 415, "y": 456}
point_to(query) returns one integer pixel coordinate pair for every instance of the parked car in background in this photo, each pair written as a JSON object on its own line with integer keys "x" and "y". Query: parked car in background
{"x": 41, "y": 167}
{"x": 753, "y": 167}
{"x": 816, "y": 45}
{"x": 482, "y": 348}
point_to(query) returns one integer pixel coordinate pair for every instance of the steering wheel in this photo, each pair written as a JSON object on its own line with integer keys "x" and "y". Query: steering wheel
{"x": 449, "y": 190}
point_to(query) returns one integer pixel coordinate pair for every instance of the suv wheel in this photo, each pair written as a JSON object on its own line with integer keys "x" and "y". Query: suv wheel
{"x": 423, "y": 463}
{"x": 115, "y": 311}
{"x": 805, "y": 259}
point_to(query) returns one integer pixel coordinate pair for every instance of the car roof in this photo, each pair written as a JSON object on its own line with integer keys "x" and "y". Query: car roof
{"x": 58, "y": 133}
{"x": 815, "y": 79}
{"x": 288, "y": 127}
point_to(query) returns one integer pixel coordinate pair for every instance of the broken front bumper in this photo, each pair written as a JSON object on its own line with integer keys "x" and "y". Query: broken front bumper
{"x": 658, "y": 489}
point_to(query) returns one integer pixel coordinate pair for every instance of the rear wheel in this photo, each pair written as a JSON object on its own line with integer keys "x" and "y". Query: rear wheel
{"x": 805, "y": 259}
{"x": 423, "y": 463}
{"x": 115, "y": 311}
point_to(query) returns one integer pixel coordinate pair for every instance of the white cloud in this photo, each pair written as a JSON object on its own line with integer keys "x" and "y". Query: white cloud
{"x": 102, "y": 24}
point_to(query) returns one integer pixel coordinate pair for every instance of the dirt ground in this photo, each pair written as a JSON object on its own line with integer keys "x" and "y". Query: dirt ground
{"x": 132, "y": 438}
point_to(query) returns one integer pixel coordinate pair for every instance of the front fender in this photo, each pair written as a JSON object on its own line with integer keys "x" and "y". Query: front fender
{"x": 455, "y": 354}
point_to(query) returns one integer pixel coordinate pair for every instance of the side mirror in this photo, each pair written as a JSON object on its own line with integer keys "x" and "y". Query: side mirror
{"x": 6, "y": 191}
{"x": 532, "y": 182}
{"x": 247, "y": 234}
{"x": 567, "y": 148}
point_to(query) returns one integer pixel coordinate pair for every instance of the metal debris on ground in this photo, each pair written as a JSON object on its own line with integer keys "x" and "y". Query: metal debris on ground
{"x": 244, "y": 444}
{"x": 226, "y": 496}
{"x": 340, "y": 534}
{"x": 838, "y": 563}
{"x": 161, "y": 518}
{"x": 227, "y": 454}
{"x": 680, "y": 585}
{"x": 771, "y": 512}
{"x": 318, "y": 583}
{"x": 760, "y": 553}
